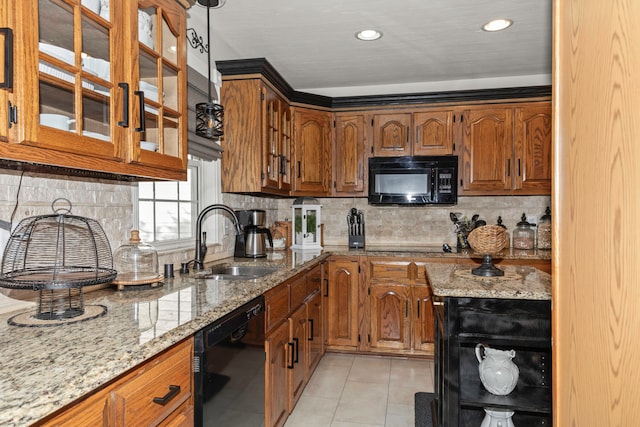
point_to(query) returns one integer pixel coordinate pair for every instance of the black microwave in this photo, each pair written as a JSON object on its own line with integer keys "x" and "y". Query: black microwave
{"x": 413, "y": 180}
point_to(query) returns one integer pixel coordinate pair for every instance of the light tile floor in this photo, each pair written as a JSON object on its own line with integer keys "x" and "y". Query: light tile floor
{"x": 358, "y": 391}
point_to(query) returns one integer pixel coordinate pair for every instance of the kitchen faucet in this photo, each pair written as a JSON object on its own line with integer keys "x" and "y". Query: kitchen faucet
{"x": 201, "y": 238}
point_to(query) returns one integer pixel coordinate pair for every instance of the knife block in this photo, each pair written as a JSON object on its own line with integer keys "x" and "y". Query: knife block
{"x": 356, "y": 242}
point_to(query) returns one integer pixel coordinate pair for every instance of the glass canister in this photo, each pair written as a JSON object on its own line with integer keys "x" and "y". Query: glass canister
{"x": 523, "y": 235}
{"x": 136, "y": 262}
{"x": 544, "y": 230}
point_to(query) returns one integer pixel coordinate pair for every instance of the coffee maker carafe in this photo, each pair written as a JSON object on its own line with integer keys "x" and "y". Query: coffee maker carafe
{"x": 251, "y": 243}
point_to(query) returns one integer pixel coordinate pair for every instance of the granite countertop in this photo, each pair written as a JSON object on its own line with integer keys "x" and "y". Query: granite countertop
{"x": 518, "y": 282}
{"x": 43, "y": 369}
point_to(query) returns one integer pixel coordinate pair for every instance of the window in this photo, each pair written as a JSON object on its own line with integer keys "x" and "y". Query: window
{"x": 167, "y": 210}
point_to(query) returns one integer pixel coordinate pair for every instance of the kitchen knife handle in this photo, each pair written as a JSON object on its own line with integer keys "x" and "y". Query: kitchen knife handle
{"x": 173, "y": 392}
{"x": 140, "y": 95}
{"x": 8, "y": 58}
{"x": 125, "y": 105}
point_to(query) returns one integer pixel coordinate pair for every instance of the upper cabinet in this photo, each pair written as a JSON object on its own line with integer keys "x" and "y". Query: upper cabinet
{"x": 6, "y": 69}
{"x": 423, "y": 132}
{"x": 506, "y": 149}
{"x": 283, "y": 142}
{"x": 349, "y": 159}
{"x": 312, "y": 152}
{"x": 257, "y": 139}
{"x": 100, "y": 86}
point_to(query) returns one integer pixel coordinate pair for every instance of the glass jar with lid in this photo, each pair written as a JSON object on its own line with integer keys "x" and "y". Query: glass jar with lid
{"x": 523, "y": 235}
{"x": 544, "y": 230}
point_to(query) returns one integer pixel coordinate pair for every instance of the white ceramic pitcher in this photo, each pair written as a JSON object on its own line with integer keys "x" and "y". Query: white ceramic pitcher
{"x": 495, "y": 418}
{"x": 498, "y": 373}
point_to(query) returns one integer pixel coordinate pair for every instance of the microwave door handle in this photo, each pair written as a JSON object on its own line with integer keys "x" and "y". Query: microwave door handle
{"x": 434, "y": 175}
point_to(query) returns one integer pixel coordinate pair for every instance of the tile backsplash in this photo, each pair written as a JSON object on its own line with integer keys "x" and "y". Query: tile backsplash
{"x": 110, "y": 203}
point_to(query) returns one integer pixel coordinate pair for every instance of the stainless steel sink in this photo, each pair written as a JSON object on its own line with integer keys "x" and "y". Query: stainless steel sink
{"x": 239, "y": 272}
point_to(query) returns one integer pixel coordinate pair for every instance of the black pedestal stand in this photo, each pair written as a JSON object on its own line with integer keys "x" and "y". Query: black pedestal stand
{"x": 487, "y": 268}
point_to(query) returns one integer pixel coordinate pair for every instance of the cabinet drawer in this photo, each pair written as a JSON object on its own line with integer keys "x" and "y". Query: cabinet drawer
{"x": 389, "y": 270}
{"x": 276, "y": 303}
{"x": 139, "y": 401}
{"x": 298, "y": 291}
{"x": 314, "y": 278}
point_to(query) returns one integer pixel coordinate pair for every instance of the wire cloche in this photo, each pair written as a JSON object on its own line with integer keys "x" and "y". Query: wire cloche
{"x": 57, "y": 255}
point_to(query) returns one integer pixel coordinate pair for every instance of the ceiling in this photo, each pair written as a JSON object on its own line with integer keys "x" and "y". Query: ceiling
{"x": 427, "y": 45}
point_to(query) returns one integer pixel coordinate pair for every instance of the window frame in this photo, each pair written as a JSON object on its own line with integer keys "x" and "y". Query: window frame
{"x": 205, "y": 190}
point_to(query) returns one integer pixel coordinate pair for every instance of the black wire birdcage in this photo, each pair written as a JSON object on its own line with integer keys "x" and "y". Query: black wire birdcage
{"x": 57, "y": 255}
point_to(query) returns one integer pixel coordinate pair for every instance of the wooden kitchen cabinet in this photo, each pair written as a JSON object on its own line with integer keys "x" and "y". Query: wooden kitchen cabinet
{"x": 298, "y": 354}
{"x": 114, "y": 90}
{"x": 422, "y": 132}
{"x": 276, "y": 380}
{"x": 257, "y": 140}
{"x": 390, "y": 326}
{"x": 6, "y": 70}
{"x": 391, "y": 134}
{"x": 131, "y": 399}
{"x": 312, "y": 152}
{"x": 294, "y": 328}
{"x": 506, "y": 149}
{"x": 349, "y": 155}
{"x": 401, "y": 318}
{"x": 342, "y": 304}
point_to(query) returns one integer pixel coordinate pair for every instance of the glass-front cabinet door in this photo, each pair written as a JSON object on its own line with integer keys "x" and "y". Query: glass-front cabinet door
{"x": 65, "y": 83}
{"x": 159, "y": 99}
{"x": 99, "y": 85}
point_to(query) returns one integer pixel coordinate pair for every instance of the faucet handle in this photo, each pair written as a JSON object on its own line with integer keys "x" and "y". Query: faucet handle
{"x": 184, "y": 267}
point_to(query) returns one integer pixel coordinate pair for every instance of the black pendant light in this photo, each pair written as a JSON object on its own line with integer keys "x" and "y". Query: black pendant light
{"x": 209, "y": 115}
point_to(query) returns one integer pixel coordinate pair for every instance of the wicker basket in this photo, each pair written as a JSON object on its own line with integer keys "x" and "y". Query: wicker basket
{"x": 488, "y": 239}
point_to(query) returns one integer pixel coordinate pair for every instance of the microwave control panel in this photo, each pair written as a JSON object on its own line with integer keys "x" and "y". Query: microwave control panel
{"x": 446, "y": 190}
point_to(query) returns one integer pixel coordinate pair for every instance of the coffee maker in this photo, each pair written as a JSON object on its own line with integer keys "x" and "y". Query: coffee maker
{"x": 251, "y": 242}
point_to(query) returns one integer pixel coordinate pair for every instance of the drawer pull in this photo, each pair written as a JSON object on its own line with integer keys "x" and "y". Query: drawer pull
{"x": 311, "y": 332}
{"x": 174, "y": 390}
{"x": 290, "y": 366}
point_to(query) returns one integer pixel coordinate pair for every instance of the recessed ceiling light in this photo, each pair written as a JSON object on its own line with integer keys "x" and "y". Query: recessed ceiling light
{"x": 497, "y": 25}
{"x": 368, "y": 35}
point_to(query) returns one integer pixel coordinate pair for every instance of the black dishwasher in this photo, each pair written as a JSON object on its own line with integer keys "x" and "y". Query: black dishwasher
{"x": 229, "y": 369}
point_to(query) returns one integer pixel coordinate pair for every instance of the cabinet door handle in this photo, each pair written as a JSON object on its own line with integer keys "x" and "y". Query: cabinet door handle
{"x": 519, "y": 171}
{"x": 297, "y": 353}
{"x": 310, "y": 330}
{"x": 326, "y": 288}
{"x": 8, "y": 58}
{"x": 140, "y": 95}
{"x": 290, "y": 366}
{"x": 125, "y": 105}
{"x": 508, "y": 167}
{"x": 418, "y": 309}
{"x": 298, "y": 169}
{"x": 173, "y": 392}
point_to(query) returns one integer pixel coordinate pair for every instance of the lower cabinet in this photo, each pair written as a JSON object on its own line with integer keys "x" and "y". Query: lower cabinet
{"x": 293, "y": 343}
{"x": 342, "y": 304}
{"x": 502, "y": 324}
{"x": 158, "y": 392}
